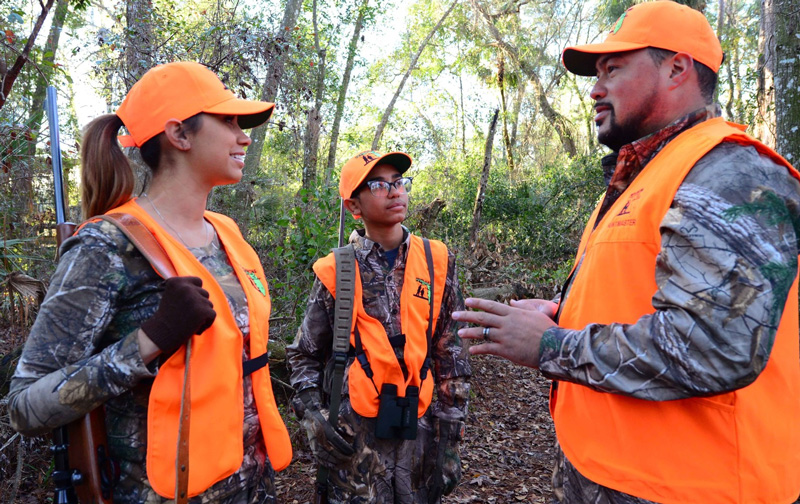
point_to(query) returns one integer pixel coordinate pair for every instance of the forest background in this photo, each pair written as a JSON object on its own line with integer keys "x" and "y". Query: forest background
{"x": 506, "y": 164}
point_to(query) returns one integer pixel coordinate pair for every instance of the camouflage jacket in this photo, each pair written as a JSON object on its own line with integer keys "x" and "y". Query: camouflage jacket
{"x": 83, "y": 352}
{"x": 372, "y": 477}
{"x": 730, "y": 182}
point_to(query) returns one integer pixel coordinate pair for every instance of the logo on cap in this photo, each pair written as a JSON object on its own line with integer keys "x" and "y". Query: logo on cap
{"x": 369, "y": 156}
{"x": 620, "y": 20}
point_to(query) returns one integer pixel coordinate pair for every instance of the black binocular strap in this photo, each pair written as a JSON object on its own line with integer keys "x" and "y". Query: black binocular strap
{"x": 426, "y": 365}
{"x": 361, "y": 357}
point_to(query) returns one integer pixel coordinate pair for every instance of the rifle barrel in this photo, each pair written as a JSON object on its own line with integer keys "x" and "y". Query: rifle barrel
{"x": 342, "y": 214}
{"x": 51, "y": 108}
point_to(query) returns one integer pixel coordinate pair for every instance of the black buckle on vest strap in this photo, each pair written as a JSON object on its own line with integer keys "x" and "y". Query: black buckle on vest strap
{"x": 362, "y": 359}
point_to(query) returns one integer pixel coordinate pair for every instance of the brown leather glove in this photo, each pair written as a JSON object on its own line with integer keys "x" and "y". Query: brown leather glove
{"x": 184, "y": 310}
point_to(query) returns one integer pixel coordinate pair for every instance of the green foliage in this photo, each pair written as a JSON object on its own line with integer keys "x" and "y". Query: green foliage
{"x": 25, "y": 203}
{"x": 538, "y": 215}
{"x": 293, "y": 241}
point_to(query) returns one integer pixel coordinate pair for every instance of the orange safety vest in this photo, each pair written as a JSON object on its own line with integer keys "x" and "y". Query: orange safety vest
{"x": 414, "y": 313}
{"x": 217, "y": 402}
{"x": 738, "y": 447}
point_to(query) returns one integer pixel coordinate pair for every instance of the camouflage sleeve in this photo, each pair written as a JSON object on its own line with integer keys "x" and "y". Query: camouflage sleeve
{"x": 451, "y": 367}
{"x": 728, "y": 258}
{"x": 314, "y": 340}
{"x": 63, "y": 373}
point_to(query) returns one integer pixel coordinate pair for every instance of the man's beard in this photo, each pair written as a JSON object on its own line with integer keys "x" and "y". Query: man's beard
{"x": 617, "y": 135}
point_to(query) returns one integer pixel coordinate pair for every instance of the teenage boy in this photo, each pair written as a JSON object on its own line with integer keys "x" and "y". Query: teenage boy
{"x": 394, "y": 442}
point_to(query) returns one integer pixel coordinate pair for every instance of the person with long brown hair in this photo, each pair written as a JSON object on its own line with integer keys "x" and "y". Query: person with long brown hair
{"x": 112, "y": 332}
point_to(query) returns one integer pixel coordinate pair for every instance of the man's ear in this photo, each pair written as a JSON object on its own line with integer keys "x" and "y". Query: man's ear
{"x": 353, "y": 206}
{"x": 681, "y": 68}
{"x": 176, "y": 135}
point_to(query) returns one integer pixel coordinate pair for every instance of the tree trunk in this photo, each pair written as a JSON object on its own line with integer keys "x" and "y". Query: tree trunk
{"x": 487, "y": 164}
{"x": 787, "y": 74}
{"x": 138, "y": 40}
{"x": 388, "y": 112}
{"x": 515, "y": 114}
{"x": 269, "y": 91}
{"x": 348, "y": 68}
{"x": 51, "y": 46}
{"x": 765, "y": 129}
{"x": 556, "y": 120}
{"x": 501, "y": 83}
{"x": 463, "y": 117}
{"x": 311, "y": 138}
{"x": 9, "y": 76}
{"x": 740, "y": 107}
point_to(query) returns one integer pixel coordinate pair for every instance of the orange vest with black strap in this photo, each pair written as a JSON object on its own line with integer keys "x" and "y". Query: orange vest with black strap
{"x": 414, "y": 315}
{"x": 217, "y": 400}
{"x": 738, "y": 447}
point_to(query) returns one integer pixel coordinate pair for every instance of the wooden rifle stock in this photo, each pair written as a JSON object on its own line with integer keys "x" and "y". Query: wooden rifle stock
{"x": 88, "y": 454}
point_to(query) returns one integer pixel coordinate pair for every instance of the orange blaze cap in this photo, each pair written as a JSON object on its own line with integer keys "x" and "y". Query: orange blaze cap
{"x": 179, "y": 91}
{"x": 663, "y": 25}
{"x": 358, "y": 167}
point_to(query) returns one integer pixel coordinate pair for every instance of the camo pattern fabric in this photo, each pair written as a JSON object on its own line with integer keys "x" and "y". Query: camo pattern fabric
{"x": 385, "y": 470}
{"x": 83, "y": 352}
{"x": 736, "y": 215}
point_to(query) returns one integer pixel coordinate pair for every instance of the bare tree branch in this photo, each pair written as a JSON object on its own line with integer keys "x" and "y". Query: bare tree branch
{"x": 7, "y": 80}
{"x": 559, "y": 123}
{"x": 388, "y": 112}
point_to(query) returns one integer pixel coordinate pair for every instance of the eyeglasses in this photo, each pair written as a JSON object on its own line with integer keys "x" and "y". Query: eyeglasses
{"x": 380, "y": 188}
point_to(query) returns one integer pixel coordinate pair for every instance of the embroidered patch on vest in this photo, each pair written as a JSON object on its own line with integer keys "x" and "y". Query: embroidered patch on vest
{"x": 256, "y": 281}
{"x": 626, "y": 210}
{"x": 423, "y": 290}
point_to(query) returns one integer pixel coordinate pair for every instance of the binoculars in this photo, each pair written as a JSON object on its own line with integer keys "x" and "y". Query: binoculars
{"x": 397, "y": 416}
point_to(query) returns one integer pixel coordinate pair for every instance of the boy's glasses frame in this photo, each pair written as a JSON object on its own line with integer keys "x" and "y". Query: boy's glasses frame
{"x": 381, "y": 188}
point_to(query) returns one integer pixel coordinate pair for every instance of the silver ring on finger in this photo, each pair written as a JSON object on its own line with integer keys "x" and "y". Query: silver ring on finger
{"x": 486, "y": 334}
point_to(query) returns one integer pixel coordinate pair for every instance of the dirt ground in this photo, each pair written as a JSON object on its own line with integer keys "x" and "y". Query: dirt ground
{"x": 508, "y": 453}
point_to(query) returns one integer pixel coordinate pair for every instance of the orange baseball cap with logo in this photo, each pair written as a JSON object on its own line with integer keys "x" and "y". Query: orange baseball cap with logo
{"x": 179, "y": 91}
{"x": 358, "y": 167}
{"x": 662, "y": 24}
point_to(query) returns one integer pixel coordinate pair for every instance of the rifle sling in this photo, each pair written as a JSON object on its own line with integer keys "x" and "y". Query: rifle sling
{"x": 144, "y": 241}
{"x": 342, "y": 322}
{"x": 342, "y": 327}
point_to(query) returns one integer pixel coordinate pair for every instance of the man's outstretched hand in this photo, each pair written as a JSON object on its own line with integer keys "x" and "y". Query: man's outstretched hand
{"x": 511, "y": 331}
